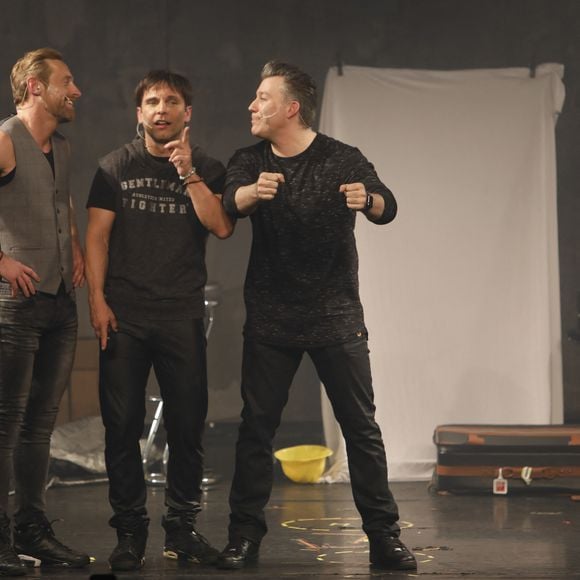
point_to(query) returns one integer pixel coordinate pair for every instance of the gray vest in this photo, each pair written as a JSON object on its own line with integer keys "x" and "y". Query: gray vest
{"x": 35, "y": 211}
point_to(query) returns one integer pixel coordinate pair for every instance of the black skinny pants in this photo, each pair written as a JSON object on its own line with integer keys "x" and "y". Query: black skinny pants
{"x": 37, "y": 345}
{"x": 344, "y": 369}
{"x": 176, "y": 351}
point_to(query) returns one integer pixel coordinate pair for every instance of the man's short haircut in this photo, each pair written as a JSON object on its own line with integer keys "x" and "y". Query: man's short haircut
{"x": 164, "y": 77}
{"x": 32, "y": 64}
{"x": 299, "y": 87}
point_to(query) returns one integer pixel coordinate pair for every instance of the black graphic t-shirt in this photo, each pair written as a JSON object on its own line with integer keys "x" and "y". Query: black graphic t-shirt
{"x": 302, "y": 281}
{"x": 156, "y": 264}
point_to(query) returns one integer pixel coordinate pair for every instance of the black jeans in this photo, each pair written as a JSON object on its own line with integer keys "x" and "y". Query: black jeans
{"x": 37, "y": 345}
{"x": 344, "y": 369}
{"x": 176, "y": 351}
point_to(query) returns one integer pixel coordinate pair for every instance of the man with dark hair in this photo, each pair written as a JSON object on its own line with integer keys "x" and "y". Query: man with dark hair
{"x": 41, "y": 262}
{"x": 160, "y": 77}
{"x": 302, "y": 191}
{"x": 151, "y": 206}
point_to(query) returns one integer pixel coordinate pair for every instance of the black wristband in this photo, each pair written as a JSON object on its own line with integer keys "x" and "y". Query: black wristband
{"x": 369, "y": 203}
{"x": 190, "y": 182}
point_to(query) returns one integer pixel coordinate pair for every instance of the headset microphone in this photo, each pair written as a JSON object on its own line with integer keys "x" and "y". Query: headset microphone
{"x": 261, "y": 115}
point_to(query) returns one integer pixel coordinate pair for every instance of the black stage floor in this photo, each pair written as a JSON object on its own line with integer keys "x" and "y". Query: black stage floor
{"x": 315, "y": 532}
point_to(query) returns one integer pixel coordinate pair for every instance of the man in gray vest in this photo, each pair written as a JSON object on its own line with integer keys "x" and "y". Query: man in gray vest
{"x": 41, "y": 263}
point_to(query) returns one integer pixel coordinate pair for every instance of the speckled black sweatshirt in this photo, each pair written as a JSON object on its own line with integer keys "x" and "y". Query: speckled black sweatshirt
{"x": 301, "y": 285}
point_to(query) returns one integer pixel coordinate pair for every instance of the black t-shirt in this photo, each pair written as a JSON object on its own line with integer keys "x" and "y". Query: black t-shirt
{"x": 302, "y": 281}
{"x": 156, "y": 264}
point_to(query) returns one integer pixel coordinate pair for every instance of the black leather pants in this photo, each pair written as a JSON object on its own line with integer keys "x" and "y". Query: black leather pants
{"x": 37, "y": 346}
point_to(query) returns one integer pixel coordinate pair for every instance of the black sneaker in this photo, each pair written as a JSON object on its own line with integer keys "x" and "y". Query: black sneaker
{"x": 36, "y": 545}
{"x": 389, "y": 553}
{"x": 129, "y": 553}
{"x": 10, "y": 564}
{"x": 189, "y": 545}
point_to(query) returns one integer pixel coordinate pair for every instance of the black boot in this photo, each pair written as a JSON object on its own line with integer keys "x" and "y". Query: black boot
{"x": 238, "y": 554}
{"x": 36, "y": 544}
{"x": 184, "y": 542}
{"x": 129, "y": 553}
{"x": 10, "y": 564}
{"x": 389, "y": 553}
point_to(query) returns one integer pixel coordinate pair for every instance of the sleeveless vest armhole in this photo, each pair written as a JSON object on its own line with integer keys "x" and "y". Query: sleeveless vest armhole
{"x": 6, "y": 179}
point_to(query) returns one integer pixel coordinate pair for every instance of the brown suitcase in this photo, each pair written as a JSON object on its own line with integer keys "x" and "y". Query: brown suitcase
{"x": 507, "y": 458}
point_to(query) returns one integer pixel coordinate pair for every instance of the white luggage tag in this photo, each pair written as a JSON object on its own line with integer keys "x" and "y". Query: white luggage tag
{"x": 500, "y": 485}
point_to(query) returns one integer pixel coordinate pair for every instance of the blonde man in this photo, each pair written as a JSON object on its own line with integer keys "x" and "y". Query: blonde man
{"x": 41, "y": 263}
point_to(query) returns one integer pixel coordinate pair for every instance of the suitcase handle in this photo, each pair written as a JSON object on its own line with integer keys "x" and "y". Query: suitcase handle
{"x": 492, "y": 471}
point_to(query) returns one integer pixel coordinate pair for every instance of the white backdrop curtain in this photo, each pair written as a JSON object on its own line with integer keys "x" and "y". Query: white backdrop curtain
{"x": 461, "y": 291}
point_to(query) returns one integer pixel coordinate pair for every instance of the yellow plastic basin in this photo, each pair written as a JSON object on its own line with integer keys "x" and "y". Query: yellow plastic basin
{"x": 303, "y": 463}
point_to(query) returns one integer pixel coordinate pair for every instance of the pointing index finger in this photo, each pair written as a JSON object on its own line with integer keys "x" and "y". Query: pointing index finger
{"x": 185, "y": 135}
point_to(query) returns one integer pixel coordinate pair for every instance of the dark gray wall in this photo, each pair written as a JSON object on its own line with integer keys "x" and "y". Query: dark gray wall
{"x": 221, "y": 45}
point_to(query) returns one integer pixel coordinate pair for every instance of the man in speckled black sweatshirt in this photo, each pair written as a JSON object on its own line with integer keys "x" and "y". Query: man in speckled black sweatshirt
{"x": 302, "y": 190}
